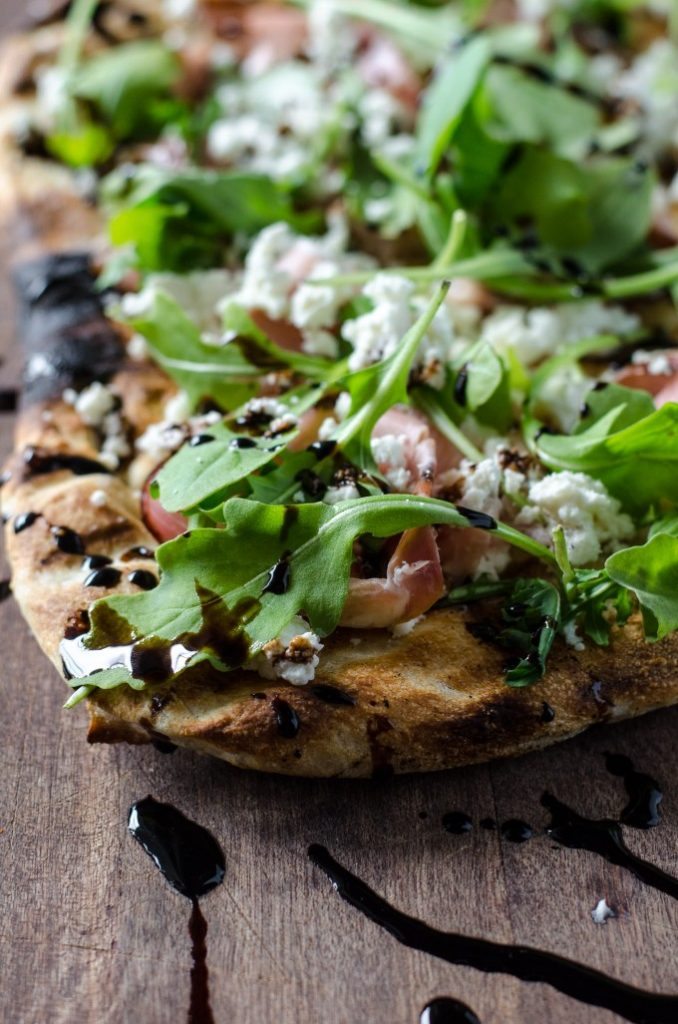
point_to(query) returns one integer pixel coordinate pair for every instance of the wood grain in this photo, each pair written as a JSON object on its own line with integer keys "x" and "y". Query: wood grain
{"x": 90, "y": 933}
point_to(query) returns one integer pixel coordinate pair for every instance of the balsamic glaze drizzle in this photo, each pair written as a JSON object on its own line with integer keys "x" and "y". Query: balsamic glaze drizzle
{"x": 457, "y": 822}
{"x": 143, "y": 578}
{"x": 25, "y": 520}
{"x": 108, "y": 576}
{"x": 516, "y": 831}
{"x": 193, "y": 863}
{"x": 286, "y": 718}
{"x": 645, "y": 795}
{"x": 478, "y": 519}
{"x": 332, "y": 695}
{"x": 447, "y": 1011}
{"x": 5, "y": 589}
{"x": 603, "y": 837}
{"x": 573, "y": 979}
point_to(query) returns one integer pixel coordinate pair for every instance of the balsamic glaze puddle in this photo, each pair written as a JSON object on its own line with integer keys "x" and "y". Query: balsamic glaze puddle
{"x": 193, "y": 863}
{"x": 645, "y": 795}
{"x": 447, "y": 1011}
{"x": 573, "y": 979}
{"x": 5, "y": 589}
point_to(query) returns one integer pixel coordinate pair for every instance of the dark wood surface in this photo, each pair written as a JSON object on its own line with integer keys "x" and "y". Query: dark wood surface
{"x": 89, "y": 931}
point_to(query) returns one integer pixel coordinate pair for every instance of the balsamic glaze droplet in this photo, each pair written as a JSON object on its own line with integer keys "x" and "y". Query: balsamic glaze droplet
{"x": 39, "y": 461}
{"x": 8, "y": 400}
{"x": 143, "y": 578}
{"x": 26, "y": 519}
{"x": 603, "y": 837}
{"x": 243, "y": 442}
{"x": 447, "y": 1011}
{"x": 286, "y": 718}
{"x": 67, "y": 540}
{"x": 457, "y": 822}
{"x": 186, "y": 853}
{"x": 573, "y": 979}
{"x": 547, "y": 713}
{"x": 332, "y": 695}
{"x": 322, "y": 449}
{"x": 5, "y": 589}
{"x": 516, "y": 831}
{"x": 645, "y": 794}
{"x": 106, "y": 577}
{"x": 96, "y": 561}
{"x": 478, "y": 519}
{"x": 200, "y": 439}
{"x": 460, "y": 386}
{"x": 139, "y": 552}
{"x": 278, "y": 578}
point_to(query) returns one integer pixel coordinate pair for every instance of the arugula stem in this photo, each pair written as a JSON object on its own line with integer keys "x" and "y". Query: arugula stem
{"x": 429, "y": 28}
{"x": 80, "y": 694}
{"x": 77, "y": 25}
{"x": 398, "y": 174}
{"x": 455, "y": 240}
{"x": 478, "y": 591}
{"x": 562, "y": 556}
{"x": 427, "y": 402}
{"x": 485, "y": 266}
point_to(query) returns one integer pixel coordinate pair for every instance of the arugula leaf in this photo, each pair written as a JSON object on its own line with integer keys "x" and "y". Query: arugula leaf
{"x": 123, "y": 83}
{"x": 651, "y": 572}
{"x": 182, "y": 220}
{"x": 446, "y": 99}
{"x": 83, "y": 144}
{"x": 637, "y": 463}
{"x": 532, "y": 614}
{"x": 204, "y": 371}
{"x": 258, "y": 349}
{"x": 233, "y": 566}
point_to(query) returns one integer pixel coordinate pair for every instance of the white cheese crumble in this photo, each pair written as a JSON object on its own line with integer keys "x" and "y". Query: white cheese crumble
{"x": 591, "y": 518}
{"x": 98, "y": 499}
{"x": 377, "y": 334}
{"x": 292, "y": 656}
{"x": 602, "y": 911}
{"x": 656, "y": 363}
{"x": 405, "y": 628}
{"x": 345, "y": 492}
{"x": 535, "y": 334}
{"x": 389, "y": 452}
{"x": 92, "y": 404}
{"x": 652, "y": 82}
{"x": 200, "y": 295}
{"x": 572, "y": 637}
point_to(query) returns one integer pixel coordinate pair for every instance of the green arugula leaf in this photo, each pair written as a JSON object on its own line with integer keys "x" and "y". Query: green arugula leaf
{"x": 532, "y": 615}
{"x": 85, "y": 144}
{"x": 258, "y": 349}
{"x": 651, "y": 572}
{"x": 637, "y": 463}
{"x": 122, "y": 84}
{"x": 446, "y": 99}
{"x": 183, "y": 220}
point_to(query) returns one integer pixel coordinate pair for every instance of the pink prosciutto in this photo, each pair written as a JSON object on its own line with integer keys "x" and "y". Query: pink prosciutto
{"x": 163, "y": 525}
{"x": 662, "y": 386}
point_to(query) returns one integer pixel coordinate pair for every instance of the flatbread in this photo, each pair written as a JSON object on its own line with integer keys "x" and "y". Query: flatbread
{"x": 432, "y": 699}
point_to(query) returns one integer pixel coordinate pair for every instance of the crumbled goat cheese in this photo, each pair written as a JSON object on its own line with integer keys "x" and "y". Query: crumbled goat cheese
{"x": 52, "y": 97}
{"x": 345, "y": 492}
{"x": 652, "y": 82}
{"x": 98, "y": 499}
{"x": 654, "y": 362}
{"x": 572, "y": 637}
{"x": 161, "y": 438}
{"x": 332, "y": 40}
{"x": 293, "y": 656}
{"x": 381, "y": 116}
{"x": 137, "y": 347}
{"x": 591, "y": 518}
{"x": 177, "y": 408}
{"x": 602, "y": 911}
{"x": 92, "y": 404}
{"x": 389, "y": 453}
{"x": 535, "y": 334}
{"x": 178, "y": 9}
{"x": 377, "y": 334}
{"x": 405, "y": 628}
{"x": 561, "y": 397}
{"x": 200, "y": 295}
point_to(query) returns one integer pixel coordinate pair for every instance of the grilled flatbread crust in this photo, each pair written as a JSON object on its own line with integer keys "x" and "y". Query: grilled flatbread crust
{"x": 433, "y": 699}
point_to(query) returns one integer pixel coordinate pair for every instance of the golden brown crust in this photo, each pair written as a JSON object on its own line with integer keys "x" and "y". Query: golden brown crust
{"x": 432, "y": 699}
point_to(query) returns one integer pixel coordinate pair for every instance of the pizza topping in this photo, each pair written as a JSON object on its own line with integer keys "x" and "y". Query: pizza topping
{"x": 292, "y": 656}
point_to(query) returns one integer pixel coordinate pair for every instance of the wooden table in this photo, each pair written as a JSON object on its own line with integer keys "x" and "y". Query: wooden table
{"x": 90, "y": 932}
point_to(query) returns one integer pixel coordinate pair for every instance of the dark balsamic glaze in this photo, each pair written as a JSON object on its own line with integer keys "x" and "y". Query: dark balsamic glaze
{"x": 457, "y": 822}
{"x": 67, "y": 540}
{"x": 5, "y": 589}
{"x": 547, "y": 713}
{"x": 516, "y": 831}
{"x": 460, "y": 386}
{"x": 138, "y": 552}
{"x": 478, "y": 519}
{"x": 96, "y": 562}
{"x": 200, "y": 439}
{"x": 26, "y": 519}
{"x": 164, "y": 746}
{"x": 332, "y": 695}
{"x": 279, "y": 577}
{"x": 193, "y": 863}
{"x": 143, "y": 578}
{"x": 39, "y": 461}
{"x": 447, "y": 1011}
{"x": 645, "y": 794}
{"x": 603, "y": 837}
{"x": 286, "y": 718}
{"x": 8, "y": 400}
{"x": 322, "y": 449}
{"x": 573, "y": 979}
{"x": 243, "y": 442}
{"x": 106, "y": 577}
